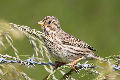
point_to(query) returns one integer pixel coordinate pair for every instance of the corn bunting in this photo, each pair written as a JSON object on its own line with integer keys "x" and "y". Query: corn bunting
{"x": 64, "y": 47}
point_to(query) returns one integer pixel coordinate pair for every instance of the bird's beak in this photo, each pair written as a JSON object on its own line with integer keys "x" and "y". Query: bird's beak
{"x": 41, "y": 23}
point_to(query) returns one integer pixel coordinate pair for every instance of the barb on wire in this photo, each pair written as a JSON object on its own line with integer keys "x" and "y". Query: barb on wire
{"x": 32, "y": 62}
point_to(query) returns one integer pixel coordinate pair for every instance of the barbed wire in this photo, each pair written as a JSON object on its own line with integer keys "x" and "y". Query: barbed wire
{"x": 32, "y": 62}
{"x": 35, "y": 38}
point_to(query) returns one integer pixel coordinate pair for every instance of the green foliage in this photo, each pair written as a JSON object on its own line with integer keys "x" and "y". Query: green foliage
{"x": 10, "y": 33}
{"x": 95, "y": 21}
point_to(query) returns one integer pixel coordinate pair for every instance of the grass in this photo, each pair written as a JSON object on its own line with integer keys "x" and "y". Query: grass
{"x": 10, "y": 32}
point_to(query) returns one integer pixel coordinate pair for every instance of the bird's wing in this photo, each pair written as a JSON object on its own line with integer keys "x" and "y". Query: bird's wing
{"x": 68, "y": 39}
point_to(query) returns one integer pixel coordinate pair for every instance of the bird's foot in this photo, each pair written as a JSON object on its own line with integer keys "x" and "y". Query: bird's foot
{"x": 58, "y": 64}
{"x": 74, "y": 62}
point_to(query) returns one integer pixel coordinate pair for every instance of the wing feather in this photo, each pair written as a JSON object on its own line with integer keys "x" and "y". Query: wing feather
{"x": 68, "y": 39}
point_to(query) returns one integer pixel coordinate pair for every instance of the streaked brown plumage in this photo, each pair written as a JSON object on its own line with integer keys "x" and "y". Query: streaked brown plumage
{"x": 63, "y": 46}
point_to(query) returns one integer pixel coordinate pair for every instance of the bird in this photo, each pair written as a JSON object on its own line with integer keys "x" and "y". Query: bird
{"x": 62, "y": 46}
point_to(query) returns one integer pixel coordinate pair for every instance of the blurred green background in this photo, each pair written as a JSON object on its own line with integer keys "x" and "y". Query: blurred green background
{"x": 95, "y": 21}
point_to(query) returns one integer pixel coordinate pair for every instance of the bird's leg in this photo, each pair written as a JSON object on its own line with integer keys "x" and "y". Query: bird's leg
{"x": 74, "y": 62}
{"x": 58, "y": 64}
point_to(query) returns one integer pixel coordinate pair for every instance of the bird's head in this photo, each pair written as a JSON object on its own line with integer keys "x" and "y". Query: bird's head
{"x": 50, "y": 23}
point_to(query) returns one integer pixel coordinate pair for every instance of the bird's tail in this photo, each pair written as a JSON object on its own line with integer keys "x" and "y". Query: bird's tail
{"x": 99, "y": 58}
{"x": 95, "y": 56}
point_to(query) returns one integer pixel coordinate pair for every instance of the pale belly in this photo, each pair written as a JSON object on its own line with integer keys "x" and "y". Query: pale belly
{"x": 60, "y": 53}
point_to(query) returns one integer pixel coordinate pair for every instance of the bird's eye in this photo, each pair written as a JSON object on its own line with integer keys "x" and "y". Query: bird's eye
{"x": 49, "y": 22}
